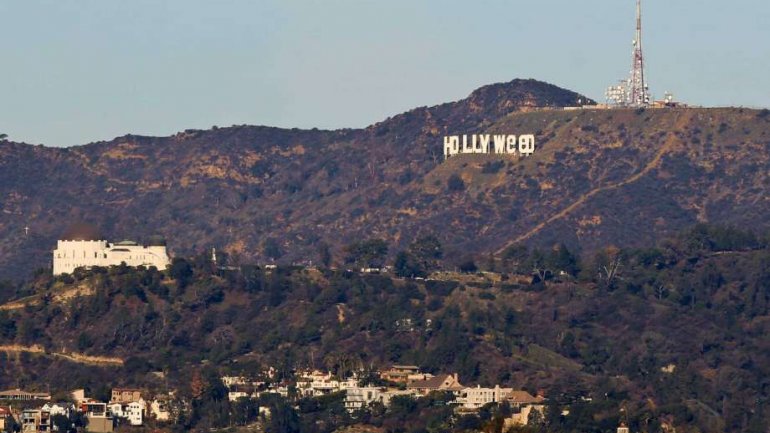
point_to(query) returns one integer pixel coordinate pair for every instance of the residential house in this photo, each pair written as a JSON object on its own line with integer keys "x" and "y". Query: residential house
{"x": 79, "y": 395}
{"x": 522, "y": 418}
{"x": 99, "y": 418}
{"x": 35, "y": 421}
{"x": 522, "y": 398}
{"x": 5, "y": 416}
{"x": 159, "y": 408}
{"x": 19, "y": 395}
{"x": 474, "y": 398}
{"x": 404, "y": 374}
{"x": 125, "y": 395}
{"x": 240, "y": 387}
{"x": 62, "y": 408}
{"x": 361, "y": 397}
{"x": 442, "y": 382}
{"x": 132, "y": 412}
{"x": 316, "y": 383}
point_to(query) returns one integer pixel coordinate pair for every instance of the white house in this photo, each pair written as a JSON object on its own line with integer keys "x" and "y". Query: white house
{"x": 82, "y": 246}
{"x": 361, "y": 397}
{"x": 64, "y": 409}
{"x": 474, "y": 398}
{"x": 132, "y": 412}
{"x": 316, "y": 383}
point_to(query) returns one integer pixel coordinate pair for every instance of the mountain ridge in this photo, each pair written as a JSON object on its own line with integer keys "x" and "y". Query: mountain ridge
{"x": 242, "y": 188}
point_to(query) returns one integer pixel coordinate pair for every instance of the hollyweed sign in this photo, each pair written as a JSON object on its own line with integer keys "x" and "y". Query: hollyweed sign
{"x": 500, "y": 144}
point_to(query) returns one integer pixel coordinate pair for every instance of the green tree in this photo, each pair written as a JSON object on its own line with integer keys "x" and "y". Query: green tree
{"x": 468, "y": 266}
{"x": 455, "y": 183}
{"x": 370, "y": 253}
{"x": 272, "y": 249}
{"x": 561, "y": 259}
{"x": 62, "y": 424}
{"x": 181, "y": 271}
{"x": 283, "y": 418}
{"x": 427, "y": 251}
{"x": 406, "y": 266}
{"x": 324, "y": 254}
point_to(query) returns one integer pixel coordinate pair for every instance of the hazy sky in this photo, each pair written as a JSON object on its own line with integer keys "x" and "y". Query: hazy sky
{"x": 75, "y": 71}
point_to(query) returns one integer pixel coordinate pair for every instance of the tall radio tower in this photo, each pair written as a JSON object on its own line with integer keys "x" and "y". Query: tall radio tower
{"x": 638, "y": 92}
{"x": 633, "y": 92}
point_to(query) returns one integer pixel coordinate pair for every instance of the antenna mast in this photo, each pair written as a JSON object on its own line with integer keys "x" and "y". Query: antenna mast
{"x": 638, "y": 91}
{"x": 633, "y": 91}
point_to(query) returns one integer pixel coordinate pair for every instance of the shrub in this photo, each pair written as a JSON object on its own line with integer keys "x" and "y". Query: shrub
{"x": 455, "y": 183}
{"x": 468, "y": 266}
{"x": 488, "y": 296}
{"x": 492, "y": 167}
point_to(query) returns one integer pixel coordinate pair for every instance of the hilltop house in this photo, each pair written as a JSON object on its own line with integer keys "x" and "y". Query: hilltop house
{"x": 99, "y": 418}
{"x": 523, "y": 398}
{"x": 522, "y": 418}
{"x": 62, "y": 408}
{"x": 19, "y": 395}
{"x": 159, "y": 408}
{"x": 5, "y": 415}
{"x": 35, "y": 421}
{"x": 133, "y": 412}
{"x": 362, "y": 396}
{"x": 442, "y": 382}
{"x": 125, "y": 395}
{"x": 404, "y": 374}
{"x": 474, "y": 398}
{"x": 316, "y": 383}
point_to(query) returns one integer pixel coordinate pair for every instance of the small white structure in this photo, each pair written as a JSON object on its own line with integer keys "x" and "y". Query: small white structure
{"x": 82, "y": 246}
{"x": 160, "y": 410}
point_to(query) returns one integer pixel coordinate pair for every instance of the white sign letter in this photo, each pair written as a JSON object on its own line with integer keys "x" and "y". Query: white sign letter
{"x": 510, "y": 144}
{"x": 451, "y": 146}
{"x": 466, "y": 149}
{"x": 527, "y": 144}
{"x": 484, "y": 143}
{"x": 500, "y": 144}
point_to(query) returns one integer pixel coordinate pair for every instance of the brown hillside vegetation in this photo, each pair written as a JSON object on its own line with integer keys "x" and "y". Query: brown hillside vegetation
{"x": 677, "y": 336}
{"x": 598, "y": 177}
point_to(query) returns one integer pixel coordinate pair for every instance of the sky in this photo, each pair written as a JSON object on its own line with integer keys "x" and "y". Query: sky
{"x": 78, "y": 71}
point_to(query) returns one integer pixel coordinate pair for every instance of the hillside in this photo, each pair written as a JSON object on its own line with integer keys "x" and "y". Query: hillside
{"x": 677, "y": 337}
{"x": 599, "y": 177}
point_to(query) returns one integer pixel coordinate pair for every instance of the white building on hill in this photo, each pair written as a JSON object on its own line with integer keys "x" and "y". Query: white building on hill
{"x": 82, "y": 246}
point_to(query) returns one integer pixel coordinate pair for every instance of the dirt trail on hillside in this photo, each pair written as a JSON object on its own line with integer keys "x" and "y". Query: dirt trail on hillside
{"x": 653, "y": 164}
{"x": 19, "y": 303}
{"x": 79, "y": 358}
{"x": 57, "y": 297}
